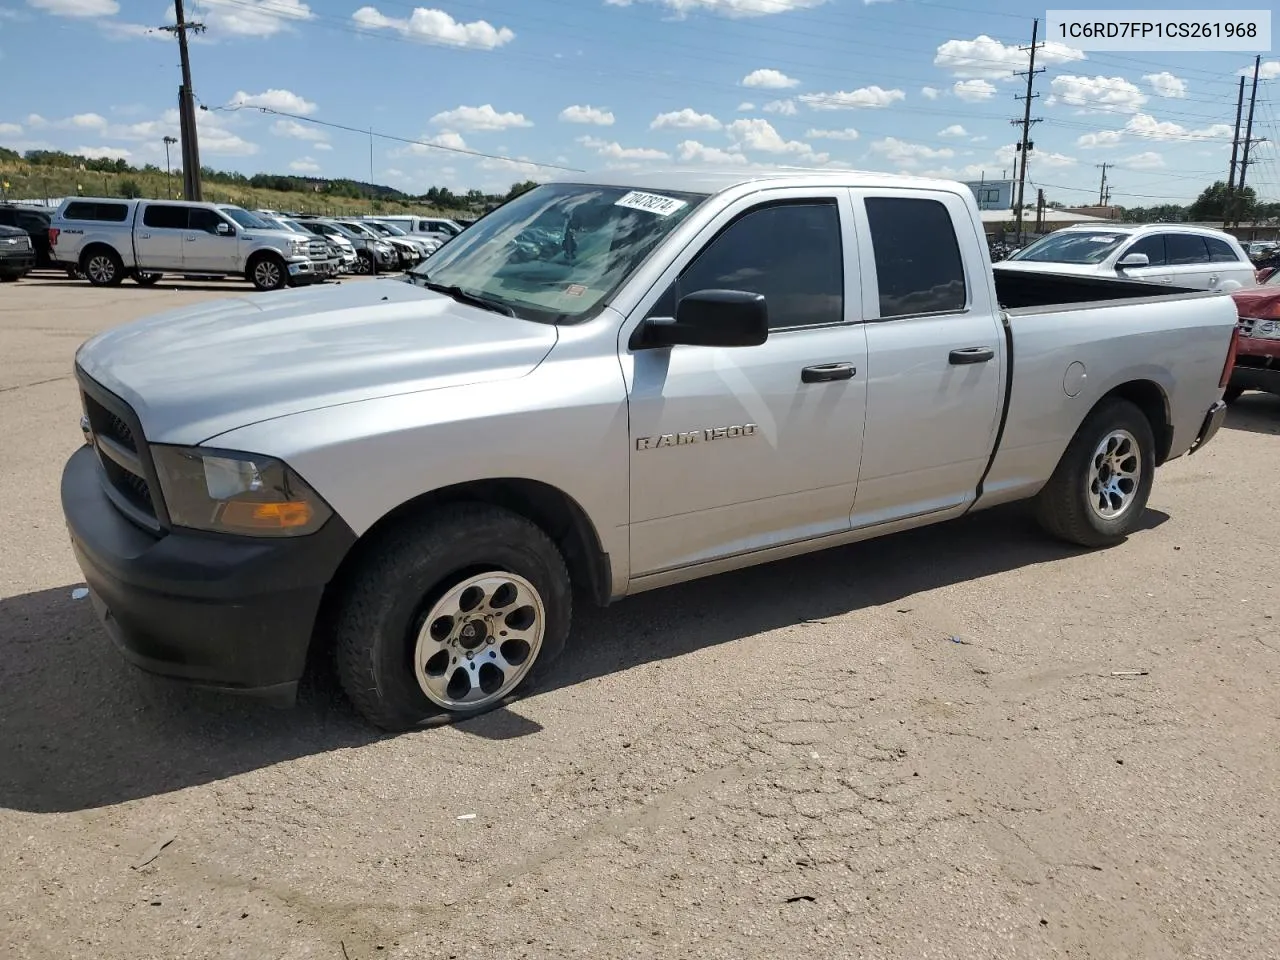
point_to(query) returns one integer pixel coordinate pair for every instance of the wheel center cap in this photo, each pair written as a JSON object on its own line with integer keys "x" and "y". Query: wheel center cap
{"x": 473, "y": 634}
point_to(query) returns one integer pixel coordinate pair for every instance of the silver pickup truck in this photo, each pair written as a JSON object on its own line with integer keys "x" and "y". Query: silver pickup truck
{"x": 107, "y": 240}
{"x": 606, "y": 385}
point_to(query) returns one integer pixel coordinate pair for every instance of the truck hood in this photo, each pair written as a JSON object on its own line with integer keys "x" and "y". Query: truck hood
{"x": 1262, "y": 302}
{"x": 193, "y": 373}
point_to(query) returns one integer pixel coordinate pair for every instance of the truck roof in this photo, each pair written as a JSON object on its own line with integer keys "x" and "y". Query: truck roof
{"x": 711, "y": 180}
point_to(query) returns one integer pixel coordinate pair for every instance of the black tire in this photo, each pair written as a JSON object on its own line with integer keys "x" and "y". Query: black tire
{"x": 366, "y": 265}
{"x": 1065, "y": 507}
{"x": 73, "y": 273}
{"x": 401, "y": 576}
{"x": 145, "y": 279}
{"x": 1232, "y": 394}
{"x": 102, "y": 267}
{"x": 267, "y": 271}
{"x": 11, "y": 277}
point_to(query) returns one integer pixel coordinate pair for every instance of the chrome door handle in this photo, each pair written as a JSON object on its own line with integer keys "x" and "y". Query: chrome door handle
{"x": 191, "y": 238}
{"x": 144, "y": 236}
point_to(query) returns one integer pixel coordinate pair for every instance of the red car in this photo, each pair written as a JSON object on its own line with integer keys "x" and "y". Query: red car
{"x": 1257, "y": 364}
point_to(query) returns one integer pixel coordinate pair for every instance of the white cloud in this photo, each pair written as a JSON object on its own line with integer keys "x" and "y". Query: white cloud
{"x": 77, "y": 8}
{"x": 449, "y": 139}
{"x": 1149, "y": 128}
{"x": 436, "y": 26}
{"x": 1149, "y": 160}
{"x": 760, "y": 135}
{"x": 322, "y": 146}
{"x": 744, "y": 107}
{"x": 304, "y": 165}
{"x": 863, "y": 98}
{"x": 727, "y": 8}
{"x": 685, "y": 119}
{"x": 298, "y": 131}
{"x": 10, "y": 130}
{"x": 784, "y": 108}
{"x": 117, "y": 30}
{"x": 769, "y": 79}
{"x": 251, "y": 18}
{"x": 693, "y": 151}
{"x": 971, "y": 91}
{"x": 480, "y": 118}
{"x": 1102, "y": 138}
{"x": 285, "y": 101}
{"x": 1039, "y": 158}
{"x": 104, "y": 153}
{"x": 587, "y": 114}
{"x": 1268, "y": 70}
{"x": 985, "y": 57}
{"x": 611, "y": 150}
{"x": 955, "y": 130}
{"x": 1102, "y": 94}
{"x": 84, "y": 121}
{"x": 908, "y": 154}
{"x": 1165, "y": 84}
{"x": 848, "y": 133}
{"x": 930, "y": 93}
{"x": 37, "y": 121}
{"x": 982, "y": 139}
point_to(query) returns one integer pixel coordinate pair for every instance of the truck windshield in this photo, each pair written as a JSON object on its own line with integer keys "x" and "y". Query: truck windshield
{"x": 245, "y": 218}
{"x": 556, "y": 253}
{"x": 1077, "y": 247}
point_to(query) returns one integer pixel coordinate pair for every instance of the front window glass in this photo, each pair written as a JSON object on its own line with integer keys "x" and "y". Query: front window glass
{"x": 557, "y": 252}
{"x": 246, "y": 219}
{"x": 1075, "y": 247}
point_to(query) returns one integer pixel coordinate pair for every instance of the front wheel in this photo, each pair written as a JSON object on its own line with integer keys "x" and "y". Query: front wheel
{"x": 269, "y": 273}
{"x": 1100, "y": 488}
{"x": 1232, "y": 394}
{"x": 365, "y": 265}
{"x": 448, "y": 616}
{"x": 146, "y": 279}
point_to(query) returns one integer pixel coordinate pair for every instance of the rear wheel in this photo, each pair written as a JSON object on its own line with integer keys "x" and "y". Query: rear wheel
{"x": 1232, "y": 394}
{"x": 102, "y": 266}
{"x": 145, "y": 279}
{"x": 1100, "y": 488}
{"x": 365, "y": 265}
{"x": 447, "y": 617}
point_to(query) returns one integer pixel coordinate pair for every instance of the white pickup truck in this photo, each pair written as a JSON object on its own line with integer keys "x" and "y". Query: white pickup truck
{"x": 108, "y": 239}
{"x": 609, "y": 383}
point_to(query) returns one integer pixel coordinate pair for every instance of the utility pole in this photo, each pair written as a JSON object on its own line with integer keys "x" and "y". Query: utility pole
{"x": 168, "y": 170}
{"x": 1229, "y": 200}
{"x": 186, "y": 106}
{"x": 1102, "y": 188}
{"x": 1026, "y": 145}
{"x": 1248, "y": 136}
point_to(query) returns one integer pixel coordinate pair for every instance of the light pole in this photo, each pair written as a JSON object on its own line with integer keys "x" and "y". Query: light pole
{"x": 168, "y": 172}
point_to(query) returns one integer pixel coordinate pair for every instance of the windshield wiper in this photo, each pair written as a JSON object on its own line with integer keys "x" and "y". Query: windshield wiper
{"x": 466, "y": 296}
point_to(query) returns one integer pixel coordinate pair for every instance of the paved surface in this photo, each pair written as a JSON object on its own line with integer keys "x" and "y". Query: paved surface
{"x": 797, "y": 760}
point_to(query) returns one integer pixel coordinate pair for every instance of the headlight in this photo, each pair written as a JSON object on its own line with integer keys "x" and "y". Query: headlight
{"x": 227, "y": 492}
{"x": 301, "y": 247}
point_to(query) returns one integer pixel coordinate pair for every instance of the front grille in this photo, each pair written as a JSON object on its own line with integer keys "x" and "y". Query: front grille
{"x": 1246, "y": 326}
{"x": 319, "y": 250}
{"x": 122, "y": 455}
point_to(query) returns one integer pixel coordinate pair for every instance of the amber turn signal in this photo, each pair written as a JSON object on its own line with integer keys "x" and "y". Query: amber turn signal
{"x": 266, "y": 516}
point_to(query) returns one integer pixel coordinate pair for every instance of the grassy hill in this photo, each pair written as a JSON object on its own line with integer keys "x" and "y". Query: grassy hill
{"x": 27, "y": 181}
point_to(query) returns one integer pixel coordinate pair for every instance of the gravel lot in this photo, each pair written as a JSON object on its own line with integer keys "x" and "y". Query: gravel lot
{"x": 797, "y": 760}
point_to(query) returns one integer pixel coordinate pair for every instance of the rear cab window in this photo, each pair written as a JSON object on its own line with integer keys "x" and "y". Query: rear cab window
{"x": 96, "y": 210}
{"x": 919, "y": 269}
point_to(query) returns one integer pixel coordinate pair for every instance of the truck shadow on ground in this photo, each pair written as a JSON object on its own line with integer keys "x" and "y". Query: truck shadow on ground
{"x": 80, "y": 729}
{"x": 1255, "y": 413}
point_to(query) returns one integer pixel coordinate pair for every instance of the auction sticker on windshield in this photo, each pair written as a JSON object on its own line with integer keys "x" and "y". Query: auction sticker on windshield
{"x": 651, "y": 202}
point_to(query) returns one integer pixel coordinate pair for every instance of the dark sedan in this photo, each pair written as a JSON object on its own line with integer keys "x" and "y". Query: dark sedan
{"x": 16, "y": 255}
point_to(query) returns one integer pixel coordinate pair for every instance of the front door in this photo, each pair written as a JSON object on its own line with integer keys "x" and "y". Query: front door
{"x": 936, "y": 358}
{"x": 207, "y": 249}
{"x": 159, "y": 238}
{"x": 739, "y": 449}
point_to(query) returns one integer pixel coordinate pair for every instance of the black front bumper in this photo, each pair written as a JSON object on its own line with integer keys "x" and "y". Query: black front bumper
{"x": 236, "y": 613}
{"x": 21, "y": 261}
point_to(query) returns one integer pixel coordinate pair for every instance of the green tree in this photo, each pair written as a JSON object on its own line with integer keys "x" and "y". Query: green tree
{"x": 130, "y": 189}
{"x": 519, "y": 188}
{"x": 1212, "y": 203}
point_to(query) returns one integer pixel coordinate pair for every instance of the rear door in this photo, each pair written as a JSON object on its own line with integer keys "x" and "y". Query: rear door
{"x": 1228, "y": 271}
{"x": 159, "y": 236}
{"x": 1189, "y": 260}
{"x": 208, "y": 250}
{"x": 935, "y": 355}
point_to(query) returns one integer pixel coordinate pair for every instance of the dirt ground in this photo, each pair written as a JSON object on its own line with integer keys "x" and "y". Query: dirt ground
{"x": 912, "y": 748}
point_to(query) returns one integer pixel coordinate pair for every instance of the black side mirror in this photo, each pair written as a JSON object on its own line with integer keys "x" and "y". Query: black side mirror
{"x": 710, "y": 318}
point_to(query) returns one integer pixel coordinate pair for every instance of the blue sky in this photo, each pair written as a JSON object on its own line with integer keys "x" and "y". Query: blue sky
{"x": 908, "y": 86}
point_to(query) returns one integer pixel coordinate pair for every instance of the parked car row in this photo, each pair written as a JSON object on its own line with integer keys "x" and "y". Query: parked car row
{"x": 106, "y": 240}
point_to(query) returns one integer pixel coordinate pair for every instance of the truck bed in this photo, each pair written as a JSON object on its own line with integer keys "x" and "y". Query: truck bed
{"x": 1019, "y": 289}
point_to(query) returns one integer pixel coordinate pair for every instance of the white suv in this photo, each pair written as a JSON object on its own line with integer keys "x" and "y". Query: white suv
{"x": 1195, "y": 257}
